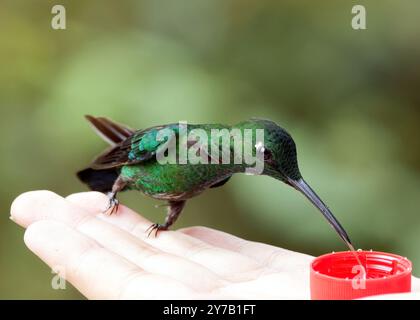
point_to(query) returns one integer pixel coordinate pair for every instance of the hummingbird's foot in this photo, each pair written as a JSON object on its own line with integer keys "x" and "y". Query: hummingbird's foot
{"x": 155, "y": 227}
{"x": 174, "y": 209}
{"x": 112, "y": 205}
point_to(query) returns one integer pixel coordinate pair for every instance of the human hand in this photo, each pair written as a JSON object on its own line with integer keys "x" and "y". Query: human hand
{"x": 111, "y": 257}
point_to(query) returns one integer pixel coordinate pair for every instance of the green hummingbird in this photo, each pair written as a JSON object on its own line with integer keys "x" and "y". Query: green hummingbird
{"x": 131, "y": 163}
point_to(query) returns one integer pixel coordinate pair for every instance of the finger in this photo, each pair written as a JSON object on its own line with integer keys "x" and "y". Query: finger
{"x": 93, "y": 270}
{"x": 225, "y": 263}
{"x": 96, "y": 202}
{"x": 291, "y": 279}
{"x": 21, "y": 209}
{"x": 415, "y": 284}
{"x": 38, "y": 205}
{"x": 278, "y": 258}
{"x": 279, "y": 285}
{"x": 35, "y": 206}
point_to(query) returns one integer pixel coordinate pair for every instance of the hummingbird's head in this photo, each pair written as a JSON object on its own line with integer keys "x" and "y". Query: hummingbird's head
{"x": 280, "y": 162}
{"x": 279, "y": 149}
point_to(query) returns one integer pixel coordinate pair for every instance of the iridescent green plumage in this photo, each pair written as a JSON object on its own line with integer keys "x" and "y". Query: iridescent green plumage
{"x": 132, "y": 162}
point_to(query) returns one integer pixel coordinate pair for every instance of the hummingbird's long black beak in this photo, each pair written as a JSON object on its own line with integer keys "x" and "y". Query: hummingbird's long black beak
{"x": 303, "y": 187}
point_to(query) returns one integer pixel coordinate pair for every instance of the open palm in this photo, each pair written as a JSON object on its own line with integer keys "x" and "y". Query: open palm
{"x": 111, "y": 257}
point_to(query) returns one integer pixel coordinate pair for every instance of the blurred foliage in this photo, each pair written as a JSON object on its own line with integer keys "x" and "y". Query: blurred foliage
{"x": 349, "y": 98}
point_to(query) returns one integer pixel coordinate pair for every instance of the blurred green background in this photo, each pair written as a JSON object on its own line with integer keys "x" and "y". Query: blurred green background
{"x": 350, "y": 99}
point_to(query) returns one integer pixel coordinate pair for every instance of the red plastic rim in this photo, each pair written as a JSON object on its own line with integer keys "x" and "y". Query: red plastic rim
{"x": 339, "y": 276}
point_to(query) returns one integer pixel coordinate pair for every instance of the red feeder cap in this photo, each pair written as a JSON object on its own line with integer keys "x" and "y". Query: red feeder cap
{"x": 338, "y": 276}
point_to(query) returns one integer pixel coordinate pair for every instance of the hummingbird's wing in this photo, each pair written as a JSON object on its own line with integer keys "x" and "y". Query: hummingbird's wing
{"x": 143, "y": 145}
{"x": 139, "y": 147}
{"x": 110, "y": 131}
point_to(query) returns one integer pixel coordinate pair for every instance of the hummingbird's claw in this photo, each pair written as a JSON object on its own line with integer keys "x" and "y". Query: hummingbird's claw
{"x": 155, "y": 227}
{"x": 113, "y": 206}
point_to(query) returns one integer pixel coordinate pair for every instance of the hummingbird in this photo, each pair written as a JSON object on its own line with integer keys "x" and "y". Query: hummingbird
{"x": 130, "y": 163}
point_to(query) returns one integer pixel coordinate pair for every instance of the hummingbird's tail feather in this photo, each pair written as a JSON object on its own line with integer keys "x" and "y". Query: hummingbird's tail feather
{"x": 99, "y": 180}
{"x": 110, "y": 131}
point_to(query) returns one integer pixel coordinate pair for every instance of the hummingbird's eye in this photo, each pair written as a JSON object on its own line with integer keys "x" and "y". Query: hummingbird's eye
{"x": 267, "y": 155}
